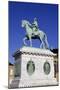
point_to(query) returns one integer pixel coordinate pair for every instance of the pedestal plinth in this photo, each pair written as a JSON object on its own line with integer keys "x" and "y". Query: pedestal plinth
{"x": 33, "y": 67}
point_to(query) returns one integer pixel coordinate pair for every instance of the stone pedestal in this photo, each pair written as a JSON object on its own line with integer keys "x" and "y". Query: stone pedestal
{"x": 34, "y": 67}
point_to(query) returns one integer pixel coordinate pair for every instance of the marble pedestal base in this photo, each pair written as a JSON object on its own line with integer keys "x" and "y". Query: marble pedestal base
{"x": 32, "y": 83}
{"x": 37, "y": 77}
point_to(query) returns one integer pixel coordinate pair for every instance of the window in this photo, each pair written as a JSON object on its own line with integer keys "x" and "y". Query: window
{"x": 11, "y": 72}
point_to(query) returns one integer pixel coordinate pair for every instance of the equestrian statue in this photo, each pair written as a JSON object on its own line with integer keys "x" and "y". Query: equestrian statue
{"x": 33, "y": 32}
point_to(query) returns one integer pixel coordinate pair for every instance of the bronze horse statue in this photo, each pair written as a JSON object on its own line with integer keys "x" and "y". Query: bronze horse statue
{"x": 34, "y": 35}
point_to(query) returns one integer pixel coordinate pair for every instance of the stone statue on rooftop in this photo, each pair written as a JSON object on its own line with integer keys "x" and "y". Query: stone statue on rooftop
{"x": 33, "y": 32}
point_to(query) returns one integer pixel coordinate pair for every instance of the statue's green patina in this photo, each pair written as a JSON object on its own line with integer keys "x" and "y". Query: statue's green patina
{"x": 33, "y": 32}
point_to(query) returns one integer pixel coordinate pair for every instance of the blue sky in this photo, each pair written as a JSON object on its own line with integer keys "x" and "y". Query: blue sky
{"x": 47, "y": 15}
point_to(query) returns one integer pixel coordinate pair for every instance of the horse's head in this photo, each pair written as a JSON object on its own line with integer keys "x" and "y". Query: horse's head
{"x": 24, "y": 23}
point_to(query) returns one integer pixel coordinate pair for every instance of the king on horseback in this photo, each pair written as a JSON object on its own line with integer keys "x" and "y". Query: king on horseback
{"x": 33, "y": 32}
{"x": 35, "y": 26}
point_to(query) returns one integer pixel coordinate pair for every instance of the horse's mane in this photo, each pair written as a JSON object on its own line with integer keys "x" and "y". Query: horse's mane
{"x": 26, "y": 21}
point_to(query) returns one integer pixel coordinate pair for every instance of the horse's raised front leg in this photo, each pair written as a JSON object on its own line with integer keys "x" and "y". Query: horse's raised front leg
{"x": 25, "y": 38}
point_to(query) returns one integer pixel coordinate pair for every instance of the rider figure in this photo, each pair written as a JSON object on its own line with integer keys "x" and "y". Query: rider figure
{"x": 35, "y": 25}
